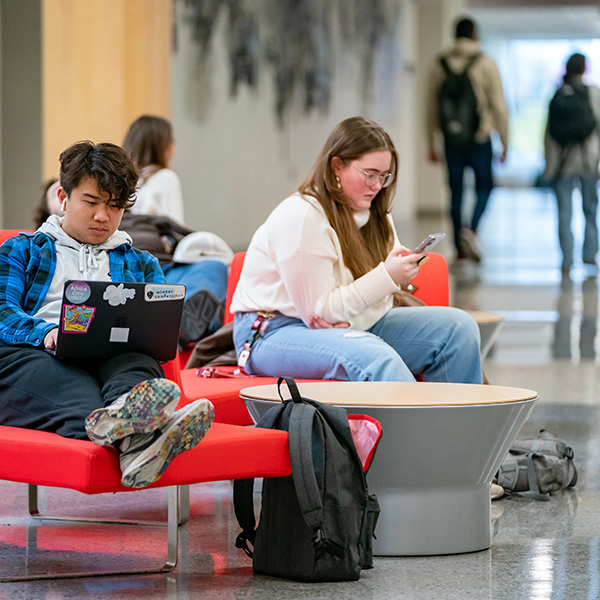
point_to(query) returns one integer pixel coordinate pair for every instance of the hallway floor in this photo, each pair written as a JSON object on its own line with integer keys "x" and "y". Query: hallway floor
{"x": 540, "y": 550}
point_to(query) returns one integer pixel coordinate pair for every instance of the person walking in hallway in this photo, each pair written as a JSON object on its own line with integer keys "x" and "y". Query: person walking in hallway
{"x": 465, "y": 103}
{"x": 572, "y": 151}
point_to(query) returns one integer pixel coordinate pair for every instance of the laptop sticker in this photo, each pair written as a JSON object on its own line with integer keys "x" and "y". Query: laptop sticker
{"x": 156, "y": 293}
{"x": 78, "y": 292}
{"x": 118, "y": 294}
{"x": 77, "y": 319}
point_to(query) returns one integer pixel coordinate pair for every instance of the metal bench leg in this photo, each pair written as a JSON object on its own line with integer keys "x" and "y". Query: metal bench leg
{"x": 178, "y": 512}
{"x": 184, "y": 504}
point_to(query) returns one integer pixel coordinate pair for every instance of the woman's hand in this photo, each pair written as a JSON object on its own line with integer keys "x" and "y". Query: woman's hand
{"x": 50, "y": 339}
{"x": 316, "y": 322}
{"x": 402, "y": 265}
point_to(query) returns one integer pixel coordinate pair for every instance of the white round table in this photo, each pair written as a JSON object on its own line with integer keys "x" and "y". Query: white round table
{"x": 442, "y": 444}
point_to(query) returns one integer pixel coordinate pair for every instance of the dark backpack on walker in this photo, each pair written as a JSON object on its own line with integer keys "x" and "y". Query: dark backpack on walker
{"x": 458, "y": 112}
{"x": 318, "y": 523}
{"x": 570, "y": 116}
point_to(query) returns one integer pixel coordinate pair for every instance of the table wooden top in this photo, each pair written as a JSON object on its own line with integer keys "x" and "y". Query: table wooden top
{"x": 376, "y": 393}
{"x": 485, "y": 317}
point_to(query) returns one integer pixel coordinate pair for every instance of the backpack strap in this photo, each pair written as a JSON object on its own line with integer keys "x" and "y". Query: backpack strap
{"x": 243, "y": 502}
{"x": 243, "y": 506}
{"x": 335, "y": 416}
{"x": 470, "y": 62}
{"x": 303, "y": 468}
{"x": 301, "y": 456}
{"x": 444, "y": 63}
{"x": 302, "y": 434}
{"x": 534, "y": 490}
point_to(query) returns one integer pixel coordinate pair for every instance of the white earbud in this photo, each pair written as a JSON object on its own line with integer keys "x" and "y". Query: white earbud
{"x": 63, "y": 205}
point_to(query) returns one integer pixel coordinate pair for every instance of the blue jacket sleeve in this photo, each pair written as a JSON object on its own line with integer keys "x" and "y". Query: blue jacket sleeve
{"x": 17, "y": 326}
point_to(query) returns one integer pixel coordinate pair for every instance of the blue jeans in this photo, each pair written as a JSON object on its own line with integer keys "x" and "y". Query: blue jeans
{"x": 479, "y": 158}
{"x": 563, "y": 188}
{"x": 208, "y": 275}
{"x": 440, "y": 343}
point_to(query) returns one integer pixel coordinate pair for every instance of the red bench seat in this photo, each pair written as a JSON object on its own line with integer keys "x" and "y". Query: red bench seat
{"x": 226, "y": 452}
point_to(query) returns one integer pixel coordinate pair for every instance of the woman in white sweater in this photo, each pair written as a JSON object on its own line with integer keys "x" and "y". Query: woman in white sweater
{"x": 151, "y": 145}
{"x": 315, "y": 296}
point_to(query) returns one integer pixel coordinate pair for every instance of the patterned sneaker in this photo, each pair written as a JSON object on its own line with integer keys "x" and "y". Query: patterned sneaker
{"x": 144, "y": 458}
{"x": 147, "y": 405}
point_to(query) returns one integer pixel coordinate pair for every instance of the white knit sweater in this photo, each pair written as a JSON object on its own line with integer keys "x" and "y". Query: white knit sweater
{"x": 294, "y": 265}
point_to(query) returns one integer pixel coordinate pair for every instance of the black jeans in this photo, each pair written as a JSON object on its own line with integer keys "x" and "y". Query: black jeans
{"x": 479, "y": 158}
{"x": 39, "y": 391}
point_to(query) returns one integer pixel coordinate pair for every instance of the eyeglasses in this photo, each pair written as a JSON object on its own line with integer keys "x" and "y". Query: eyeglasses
{"x": 371, "y": 179}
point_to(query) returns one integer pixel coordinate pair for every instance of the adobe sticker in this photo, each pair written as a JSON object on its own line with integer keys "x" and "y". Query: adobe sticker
{"x": 78, "y": 292}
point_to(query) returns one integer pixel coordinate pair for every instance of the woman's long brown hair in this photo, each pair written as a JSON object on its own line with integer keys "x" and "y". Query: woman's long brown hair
{"x": 364, "y": 248}
{"x": 147, "y": 141}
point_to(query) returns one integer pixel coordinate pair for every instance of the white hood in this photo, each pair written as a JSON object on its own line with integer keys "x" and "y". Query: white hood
{"x": 88, "y": 254}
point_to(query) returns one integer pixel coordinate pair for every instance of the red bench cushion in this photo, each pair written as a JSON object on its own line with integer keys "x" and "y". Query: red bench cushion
{"x": 226, "y": 452}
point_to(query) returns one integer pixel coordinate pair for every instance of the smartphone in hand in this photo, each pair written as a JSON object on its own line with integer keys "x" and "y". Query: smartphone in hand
{"x": 429, "y": 242}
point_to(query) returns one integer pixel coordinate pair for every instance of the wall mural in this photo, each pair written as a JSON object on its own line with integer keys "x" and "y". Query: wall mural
{"x": 300, "y": 43}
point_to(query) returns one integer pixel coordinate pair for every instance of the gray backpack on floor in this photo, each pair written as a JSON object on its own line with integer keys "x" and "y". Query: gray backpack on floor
{"x": 537, "y": 467}
{"x": 318, "y": 523}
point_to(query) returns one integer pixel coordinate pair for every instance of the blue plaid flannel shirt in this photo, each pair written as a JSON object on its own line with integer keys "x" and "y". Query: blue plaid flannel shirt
{"x": 27, "y": 265}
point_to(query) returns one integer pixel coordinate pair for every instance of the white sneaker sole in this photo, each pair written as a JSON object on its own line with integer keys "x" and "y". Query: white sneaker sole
{"x": 185, "y": 429}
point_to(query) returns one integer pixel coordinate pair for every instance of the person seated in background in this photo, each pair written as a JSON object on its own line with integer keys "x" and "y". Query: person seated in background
{"x": 150, "y": 144}
{"x": 156, "y": 224}
{"x": 48, "y": 204}
{"x": 315, "y": 295}
{"x": 124, "y": 400}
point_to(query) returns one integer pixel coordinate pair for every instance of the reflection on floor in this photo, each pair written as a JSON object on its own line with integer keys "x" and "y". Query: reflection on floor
{"x": 540, "y": 550}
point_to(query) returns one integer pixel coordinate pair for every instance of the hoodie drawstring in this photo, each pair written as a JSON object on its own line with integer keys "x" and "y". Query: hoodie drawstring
{"x": 86, "y": 255}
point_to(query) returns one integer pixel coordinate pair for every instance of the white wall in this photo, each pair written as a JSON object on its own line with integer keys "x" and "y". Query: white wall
{"x": 236, "y": 163}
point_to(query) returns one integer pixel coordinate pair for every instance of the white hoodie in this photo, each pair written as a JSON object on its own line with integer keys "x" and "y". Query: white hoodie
{"x": 74, "y": 261}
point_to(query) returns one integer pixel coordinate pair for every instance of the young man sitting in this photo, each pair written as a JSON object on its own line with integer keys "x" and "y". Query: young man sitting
{"x": 125, "y": 400}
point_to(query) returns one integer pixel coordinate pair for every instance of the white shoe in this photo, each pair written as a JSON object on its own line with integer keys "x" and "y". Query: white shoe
{"x": 145, "y": 457}
{"x": 147, "y": 405}
{"x": 469, "y": 244}
{"x": 497, "y": 491}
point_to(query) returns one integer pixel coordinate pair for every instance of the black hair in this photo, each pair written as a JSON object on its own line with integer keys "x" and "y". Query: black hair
{"x": 108, "y": 164}
{"x": 575, "y": 65}
{"x": 465, "y": 28}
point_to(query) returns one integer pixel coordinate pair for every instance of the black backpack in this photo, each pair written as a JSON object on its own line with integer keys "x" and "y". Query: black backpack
{"x": 570, "y": 116}
{"x": 318, "y": 523}
{"x": 458, "y": 113}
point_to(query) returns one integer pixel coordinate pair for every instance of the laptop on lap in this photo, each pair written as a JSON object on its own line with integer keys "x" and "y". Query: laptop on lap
{"x": 100, "y": 319}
